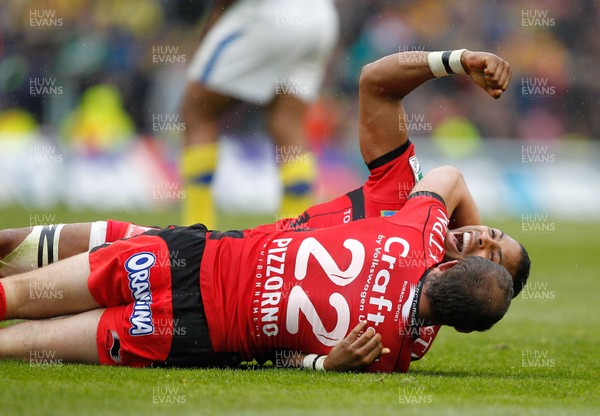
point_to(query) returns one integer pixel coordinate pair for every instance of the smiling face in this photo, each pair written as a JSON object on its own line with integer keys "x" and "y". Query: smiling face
{"x": 486, "y": 242}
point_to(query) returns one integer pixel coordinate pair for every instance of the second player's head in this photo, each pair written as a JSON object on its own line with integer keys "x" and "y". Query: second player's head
{"x": 470, "y": 294}
{"x": 491, "y": 244}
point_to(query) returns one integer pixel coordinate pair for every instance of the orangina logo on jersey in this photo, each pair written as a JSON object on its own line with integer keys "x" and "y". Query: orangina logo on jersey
{"x": 138, "y": 272}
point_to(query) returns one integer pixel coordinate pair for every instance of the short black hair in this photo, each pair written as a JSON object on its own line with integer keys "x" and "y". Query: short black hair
{"x": 472, "y": 295}
{"x": 522, "y": 274}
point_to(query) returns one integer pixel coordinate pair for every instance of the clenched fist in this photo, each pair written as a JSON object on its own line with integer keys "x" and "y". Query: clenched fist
{"x": 489, "y": 71}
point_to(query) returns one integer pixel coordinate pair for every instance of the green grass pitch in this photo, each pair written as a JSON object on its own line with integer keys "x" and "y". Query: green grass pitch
{"x": 542, "y": 359}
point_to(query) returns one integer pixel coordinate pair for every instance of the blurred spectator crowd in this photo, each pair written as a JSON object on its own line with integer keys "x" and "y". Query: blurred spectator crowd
{"x": 98, "y": 72}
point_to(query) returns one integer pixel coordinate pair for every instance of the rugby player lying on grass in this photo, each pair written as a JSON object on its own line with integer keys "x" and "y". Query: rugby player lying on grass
{"x": 386, "y": 150}
{"x": 252, "y": 293}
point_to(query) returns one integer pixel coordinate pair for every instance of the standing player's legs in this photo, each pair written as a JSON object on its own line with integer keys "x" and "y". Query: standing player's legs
{"x": 306, "y": 50}
{"x": 201, "y": 110}
{"x": 202, "y": 106}
{"x": 255, "y": 56}
{"x": 285, "y": 120}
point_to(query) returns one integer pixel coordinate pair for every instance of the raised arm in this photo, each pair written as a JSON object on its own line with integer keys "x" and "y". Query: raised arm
{"x": 384, "y": 83}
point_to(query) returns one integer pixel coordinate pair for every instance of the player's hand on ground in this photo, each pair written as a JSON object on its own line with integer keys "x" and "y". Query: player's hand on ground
{"x": 489, "y": 71}
{"x": 355, "y": 352}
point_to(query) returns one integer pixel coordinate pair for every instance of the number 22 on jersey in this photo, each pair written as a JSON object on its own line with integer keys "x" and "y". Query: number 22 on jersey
{"x": 299, "y": 300}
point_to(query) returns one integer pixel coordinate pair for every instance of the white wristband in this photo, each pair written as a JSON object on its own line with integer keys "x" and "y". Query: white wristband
{"x": 319, "y": 363}
{"x": 434, "y": 60}
{"x": 309, "y": 360}
{"x": 454, "y": 61}
{"x": 444, "y": 63}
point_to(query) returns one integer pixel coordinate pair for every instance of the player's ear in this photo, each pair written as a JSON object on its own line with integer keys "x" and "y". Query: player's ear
{"x": 442, "y": 267}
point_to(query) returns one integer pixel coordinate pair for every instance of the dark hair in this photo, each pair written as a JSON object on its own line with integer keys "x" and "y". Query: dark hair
{"x": 472, "y": 296}
{"x": 522, "y": 273}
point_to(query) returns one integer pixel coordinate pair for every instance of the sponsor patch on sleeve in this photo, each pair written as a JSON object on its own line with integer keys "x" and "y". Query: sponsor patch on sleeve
{"x": 387, "y": 212}
{"x": 416, "y": 168}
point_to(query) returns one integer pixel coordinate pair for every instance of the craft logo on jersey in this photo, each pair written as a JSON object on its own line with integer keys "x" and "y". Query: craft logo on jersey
{"x": 416, "y": 168}
{"x": 138, "y": 272}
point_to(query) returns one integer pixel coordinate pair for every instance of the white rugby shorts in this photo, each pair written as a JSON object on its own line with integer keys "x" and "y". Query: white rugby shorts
{"x": 260, "y": 48}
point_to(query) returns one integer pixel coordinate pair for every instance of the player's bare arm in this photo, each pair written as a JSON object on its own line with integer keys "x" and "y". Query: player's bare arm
{"x": 449, "y": 183}
{"x": 384, "y": 83}
{"x": 28, "y": 248}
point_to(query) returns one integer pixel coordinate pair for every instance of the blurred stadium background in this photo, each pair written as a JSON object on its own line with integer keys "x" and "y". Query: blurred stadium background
{"x": 89, "y": 129}
{"x": 89, "y": 95}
